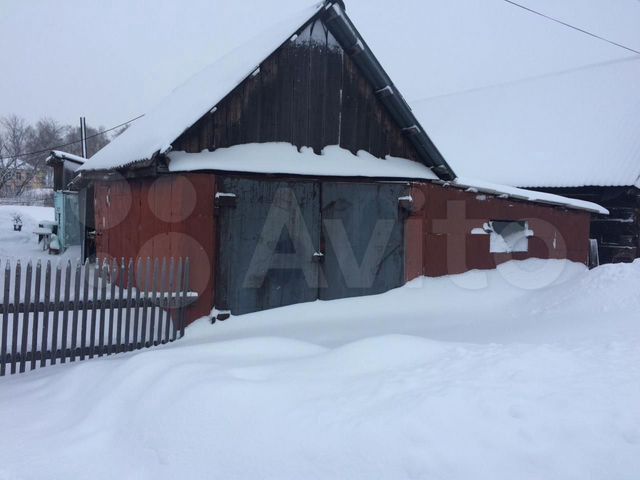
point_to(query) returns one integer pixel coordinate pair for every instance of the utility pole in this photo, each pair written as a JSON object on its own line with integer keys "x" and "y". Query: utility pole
{"x": 83, "y": 135}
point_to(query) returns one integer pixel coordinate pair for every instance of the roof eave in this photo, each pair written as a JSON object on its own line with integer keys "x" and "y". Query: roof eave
{"x": 352, "y": 42}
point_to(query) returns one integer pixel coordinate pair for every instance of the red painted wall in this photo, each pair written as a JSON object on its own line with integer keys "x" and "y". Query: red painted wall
{"x": 174, "y": 216}
{"x": 169, "y": 216}
{"x": 439, "y": 239}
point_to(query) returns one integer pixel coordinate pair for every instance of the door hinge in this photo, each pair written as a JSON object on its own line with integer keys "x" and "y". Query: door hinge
{"x": 406, "y": 204}
{"x": 224, "y": 199}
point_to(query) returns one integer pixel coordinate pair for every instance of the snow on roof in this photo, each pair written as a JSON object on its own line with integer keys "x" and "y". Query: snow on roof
{"x": 57, "y": 154}
{"x": 284, "y": 158}
{"x": 186, "y": 104}
{"x": 580, "y": 128}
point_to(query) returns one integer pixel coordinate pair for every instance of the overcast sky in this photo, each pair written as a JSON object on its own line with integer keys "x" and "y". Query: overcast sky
{"x": 112, "y": 60}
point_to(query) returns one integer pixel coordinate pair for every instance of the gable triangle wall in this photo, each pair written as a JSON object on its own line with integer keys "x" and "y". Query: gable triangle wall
{"x": 309, "y": 92}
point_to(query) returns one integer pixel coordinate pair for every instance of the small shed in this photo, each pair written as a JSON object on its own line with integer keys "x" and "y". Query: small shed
{"x": 74, "y": 225}
{"x": 293, "y": 170}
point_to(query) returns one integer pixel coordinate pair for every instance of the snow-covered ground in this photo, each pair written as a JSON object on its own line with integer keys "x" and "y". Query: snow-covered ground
{"x": 529, "y": 372}
{"x": 24, "y": 245}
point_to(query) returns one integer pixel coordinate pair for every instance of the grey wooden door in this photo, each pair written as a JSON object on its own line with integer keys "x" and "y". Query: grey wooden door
{"x": 267, "y": 242}
{"x": 363, "y": 237}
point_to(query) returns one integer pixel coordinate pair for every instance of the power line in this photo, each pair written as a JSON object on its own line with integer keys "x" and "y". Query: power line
{"x": 530, "y": 79}
{"x": 46, "y": 150}
{"x": 572, "y": 27}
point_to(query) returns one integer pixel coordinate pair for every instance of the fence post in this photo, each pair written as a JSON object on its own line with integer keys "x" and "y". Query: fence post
{"x": 103, "y": 296}
{"x": 163, "y": 300}
{"x": 5, "y": 318}
{"x": 16, "y": 319}
{"x": 121, "y": 278}
{"x": 154, "y": 297}
{"x": 147, "y": 286}
{"x": 113, "y": 269}
{"x": 94, "y": 309}
{"x": 85, "y": 311}
{"x": 178, "y": 310}
{"x": 56, "y": 310}
{"x": 185, "y": 296}
{"x": 44, "y": 348}
{"x": 25, "y": 317}
{"x": 36, "y": 315}
{"x": 76, "y": 311}
{"x": 127, "y": 325}
{"x": 65, "y": 312}
{"x": 170, "y": 302}
{"x": 136, "y": 317}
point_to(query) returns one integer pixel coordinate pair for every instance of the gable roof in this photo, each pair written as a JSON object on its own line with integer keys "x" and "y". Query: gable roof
{"x": 157, "y": 130}
{"x": 574, "y": 129}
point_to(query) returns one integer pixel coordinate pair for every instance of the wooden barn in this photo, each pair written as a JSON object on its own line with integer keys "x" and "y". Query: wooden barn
{"x": 293, "y": 170}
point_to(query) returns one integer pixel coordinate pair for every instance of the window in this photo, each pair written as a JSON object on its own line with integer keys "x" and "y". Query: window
{"x": 506, "y": 236}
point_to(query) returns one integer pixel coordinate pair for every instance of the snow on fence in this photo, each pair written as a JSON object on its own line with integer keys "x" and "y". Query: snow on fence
{"x": 83, "y": 311}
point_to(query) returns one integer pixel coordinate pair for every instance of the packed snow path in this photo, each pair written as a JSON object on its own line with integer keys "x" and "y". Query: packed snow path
{"x": 478, "y": 376}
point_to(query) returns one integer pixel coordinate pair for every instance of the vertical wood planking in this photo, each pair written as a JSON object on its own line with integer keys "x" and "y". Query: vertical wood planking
{"x": 104, "y": 271}
{"x": 163, "y": 300}
{"x": 16, "y": 319}
{"x": 332, "y": 107}
{"x": 285, "y": 94}
{"x": 170, "y": 301}
{"x": 85, "y": 312}
{"x": 36, "y": 315}
{"x": 65, "y": 312}
{"x": 147, "y": 284}
{"x": 94, "y": 310}
{"x": 56, "y": 314}
{"x": 25, "y": 317}
{"x": 177, "y": 302}
{"x": 136, "y": 317}
{"x": 185, "y": 296}
{"x": 45, "y": 345}
{"x": 5, "y": 318}
{"x": 317, "y": 86}
{"x": 127, "y": 325}
{"x": 76, "y": 310}
{"x": 122, "y": 276}
{"x": 154, "y": 300}
{"x": 113, "y": 270}
{"x": 301, "y": 57}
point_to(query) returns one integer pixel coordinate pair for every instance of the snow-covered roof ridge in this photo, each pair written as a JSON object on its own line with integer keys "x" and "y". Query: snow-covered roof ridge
{"x": 154, "y": 133}
{"x": 284, "y": 158}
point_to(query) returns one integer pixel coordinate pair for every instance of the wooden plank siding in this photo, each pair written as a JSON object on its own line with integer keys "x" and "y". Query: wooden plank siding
{"x": 618, "y": 234}
{"x": 307, "y": 93}
{"x": 168, "y": 216}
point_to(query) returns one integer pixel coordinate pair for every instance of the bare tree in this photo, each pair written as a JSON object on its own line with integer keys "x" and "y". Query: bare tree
{"x": 16, "y": 136}
{"x": 95, "y": 140}
{"x": 47, "y": 134}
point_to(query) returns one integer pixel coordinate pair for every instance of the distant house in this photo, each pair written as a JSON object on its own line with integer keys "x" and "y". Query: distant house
{"x": 19, "y": 176}
{"x": 293, "y": 170}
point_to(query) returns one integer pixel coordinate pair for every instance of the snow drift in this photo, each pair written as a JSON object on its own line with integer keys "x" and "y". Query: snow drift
{"x": 461, "y": 377}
